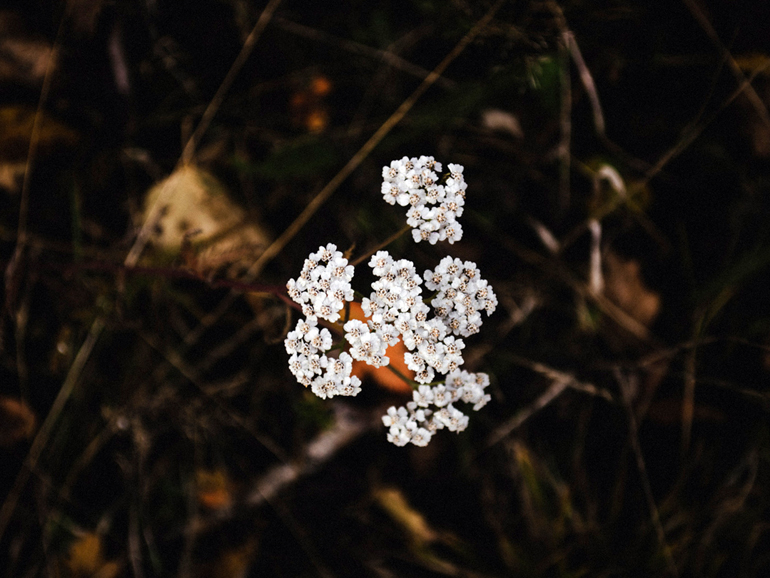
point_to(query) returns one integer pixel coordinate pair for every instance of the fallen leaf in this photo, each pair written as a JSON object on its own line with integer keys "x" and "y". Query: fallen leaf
{"x": 383, "y": 376}
{"x": 85, "y": 558}
{"x": 623, "y": 284}
{"x": 393, "y": 501}
{"x": 24, "y": 58}
{"x": 11, "y": 175}
{"x": 195, "y": 218}
{"x": 17, "y": 421}
{"x": 16, "y": 124}
{"x": 214, "y": 489}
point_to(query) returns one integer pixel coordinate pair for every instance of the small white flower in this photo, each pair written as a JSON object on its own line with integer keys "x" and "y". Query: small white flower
{"x": 441, "y": 396}
{"x": 451, "y": 418}
{"x": 423, "y": 396}
{"x": 395, "y": 416}
{"x": 421, "y": 437}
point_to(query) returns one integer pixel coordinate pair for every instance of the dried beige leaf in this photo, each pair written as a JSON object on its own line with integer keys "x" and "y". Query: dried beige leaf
{"x": 496, "y": 119}
{"x": 393, "y": 501}
{"x": 192, "y": 210}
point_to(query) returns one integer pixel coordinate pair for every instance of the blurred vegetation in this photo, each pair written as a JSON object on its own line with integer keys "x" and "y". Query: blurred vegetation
{"x": 619, "y": 203}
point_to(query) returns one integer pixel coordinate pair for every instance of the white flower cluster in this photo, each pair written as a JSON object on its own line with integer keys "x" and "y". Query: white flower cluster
{"x": 323, "y": 289}
{"x": 461, "y": 295}
{"x": 366, "y": 345}
{"x": 417, "y": 422}
{"x": 395, "y": 310}
{"x": 433, "y": 205}
{"x": 307, "y": 345}
{"x": 395, "y": 307}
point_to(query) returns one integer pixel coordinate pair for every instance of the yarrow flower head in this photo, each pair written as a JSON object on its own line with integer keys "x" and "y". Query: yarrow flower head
{"x": 323, "y": 289}
{"x": 462, "y": 295}
{"x": 416, "y": 422}
{"x": 327, "y": 377}
{"x": 396, "y": 311}
{"x": 434, "y": 201}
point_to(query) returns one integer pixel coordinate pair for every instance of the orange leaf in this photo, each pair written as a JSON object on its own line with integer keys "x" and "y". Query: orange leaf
{"x": 86, "y": 558}
{"x": 383, "y": 376}
{"x": 214, "y": 489}
{"x": 17, "y": 422}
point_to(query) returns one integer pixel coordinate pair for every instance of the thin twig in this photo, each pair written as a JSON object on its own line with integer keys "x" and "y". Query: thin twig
{"x": 235, "y": 68}
{"x": 228, "y": 346}
{"x": 277, "y": 246}
{"x": 595, "y": 275}
{"x": 237, "y": 286}
{"x": 97, "y": 326}
{"x": 504, "y": 430}
{"x": 301, "y": 537}
{"x": 377, "y": 83}
{"x": 12, "y": 273}
{"x": 11, "y": 280}
{"x": 21, "y": 318}
{"x": 588, "y": 82}
{"x": 92, "y": 449}
{"x": 382, "y": 245}
{"x": 386, "y": 56}
{"x": 134, "y": 543}
{"x": 30, "y": 463}
{"x": 191, "y": 489}
{"x": 561, "y": 272}
{"x": 349, "y": 425}
{"x": 559, "y": 382}
{"x": 688, "y": 396}
{"x": 565, "y": 146}
{"x": 754, "y": 98}
{"x": 547, "y": 238}
{"x": 193, "y": 376}
{"x": 693, "y": 130}
{"x": 633, "y": 436}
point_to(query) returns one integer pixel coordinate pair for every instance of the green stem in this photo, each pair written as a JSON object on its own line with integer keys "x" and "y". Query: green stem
{"x": 410, "y": 382}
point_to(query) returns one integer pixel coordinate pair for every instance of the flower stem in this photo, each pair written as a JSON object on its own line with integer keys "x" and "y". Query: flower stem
{"x": 385, "y": 243}
{"x": 411, "y": 383}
